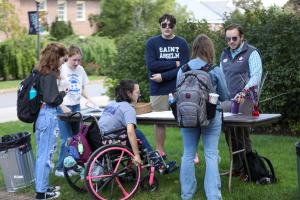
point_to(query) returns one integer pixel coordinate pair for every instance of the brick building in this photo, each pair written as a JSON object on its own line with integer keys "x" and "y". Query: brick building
{"x": 77, "y": 12}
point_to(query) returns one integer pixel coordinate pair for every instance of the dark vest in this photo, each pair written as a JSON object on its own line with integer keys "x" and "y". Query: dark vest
{"x": 236, "y": 69}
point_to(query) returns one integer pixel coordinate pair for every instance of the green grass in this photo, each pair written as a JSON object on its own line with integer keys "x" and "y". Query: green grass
{"x": 279, "y": 149}
{"x": 9, "y": 84}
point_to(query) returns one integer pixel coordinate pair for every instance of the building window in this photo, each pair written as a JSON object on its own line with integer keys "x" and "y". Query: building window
{"x": 62, "y": 10}
{"x": 80, "y": 10}
{"x": 43, "y": 5}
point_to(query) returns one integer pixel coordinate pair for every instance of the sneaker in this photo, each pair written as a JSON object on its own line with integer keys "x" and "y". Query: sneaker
{"x": 53, "y": 189}
{"x": 171, "y": 167}
{"x": 47, "y": 195}
{"x": 59, "y": 173}
{"x": 71, "y": 172}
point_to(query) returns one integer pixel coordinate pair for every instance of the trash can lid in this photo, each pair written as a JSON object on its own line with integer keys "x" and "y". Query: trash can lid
{"x": 14, "y": 140}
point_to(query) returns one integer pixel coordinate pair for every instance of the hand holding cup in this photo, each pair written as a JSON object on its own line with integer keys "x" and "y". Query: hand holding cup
{"x": 213, "y": 98}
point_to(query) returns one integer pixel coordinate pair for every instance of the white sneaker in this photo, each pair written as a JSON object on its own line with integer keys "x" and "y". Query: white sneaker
{"x": 59, "y": 173}
{"x": 71, "y": 172}
{"x": 47, "y": 195}
{"x": 53, "y": 188}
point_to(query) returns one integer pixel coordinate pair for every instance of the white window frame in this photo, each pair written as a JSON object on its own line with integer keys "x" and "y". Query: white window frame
{"x": 43, "y": 5}
{"x": 80, "y": 12}
{"x": 64, "y": 18}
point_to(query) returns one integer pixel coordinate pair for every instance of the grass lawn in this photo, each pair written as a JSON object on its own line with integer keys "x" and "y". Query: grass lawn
{"x": 9, "y": 84}
{"x": 279, "y": 149}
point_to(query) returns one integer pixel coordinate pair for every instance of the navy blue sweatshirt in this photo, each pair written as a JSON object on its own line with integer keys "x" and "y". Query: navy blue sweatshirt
{"x": 161, "y": 56}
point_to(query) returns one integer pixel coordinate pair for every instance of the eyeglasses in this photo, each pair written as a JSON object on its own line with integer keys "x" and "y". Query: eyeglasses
{"x": 228, "y": 39}
{"x": 165, "y": 25}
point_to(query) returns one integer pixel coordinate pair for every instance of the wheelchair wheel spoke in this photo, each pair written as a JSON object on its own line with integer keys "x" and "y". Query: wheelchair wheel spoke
{"x": 125, "y": 193}
{"x": 119, "y": 161}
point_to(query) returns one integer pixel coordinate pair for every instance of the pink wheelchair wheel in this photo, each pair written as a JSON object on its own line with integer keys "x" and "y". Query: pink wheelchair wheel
{"x": 111, "y": 173}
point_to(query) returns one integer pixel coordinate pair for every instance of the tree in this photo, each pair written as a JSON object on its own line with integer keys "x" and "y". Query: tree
{"x": 293, "y": 6}
{"x": 8, "y": 23}
{"x": 60, "y": 29}
{"x": 116, "y": 20}
{"x": 248, "y": 4}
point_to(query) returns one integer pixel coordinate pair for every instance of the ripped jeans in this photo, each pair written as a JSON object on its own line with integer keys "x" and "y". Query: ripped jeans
{"x": 46, "y": 131}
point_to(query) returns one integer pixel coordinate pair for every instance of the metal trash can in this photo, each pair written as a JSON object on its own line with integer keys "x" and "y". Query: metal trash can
{"x": 298, "y": 163}
{"x": 17, "y": 161}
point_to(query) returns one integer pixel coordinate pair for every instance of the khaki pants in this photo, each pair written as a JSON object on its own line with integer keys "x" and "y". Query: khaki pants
{"x": 159, "y": 103}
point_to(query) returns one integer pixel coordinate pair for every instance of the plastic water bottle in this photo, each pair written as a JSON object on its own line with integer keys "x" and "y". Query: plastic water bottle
{"x": 171, "y": 99}
{"x": 32, "y": 93}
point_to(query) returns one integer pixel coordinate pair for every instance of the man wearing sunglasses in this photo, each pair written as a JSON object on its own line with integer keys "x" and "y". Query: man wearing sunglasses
{"x": 164, "y": 55}
{"x": 242, "y": 67}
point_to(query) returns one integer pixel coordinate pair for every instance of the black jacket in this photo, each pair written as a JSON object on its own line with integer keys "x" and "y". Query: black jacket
{"x": 49, "y": 90}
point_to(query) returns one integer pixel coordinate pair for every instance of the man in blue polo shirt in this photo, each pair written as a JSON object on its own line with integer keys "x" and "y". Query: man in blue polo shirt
{"x": 242, "y": 67}
{"x": 165, "y": 54}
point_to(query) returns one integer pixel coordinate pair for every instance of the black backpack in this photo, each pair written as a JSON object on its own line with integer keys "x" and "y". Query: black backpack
{"x": 28, "y": 107}
{"x": 260, "y": 174}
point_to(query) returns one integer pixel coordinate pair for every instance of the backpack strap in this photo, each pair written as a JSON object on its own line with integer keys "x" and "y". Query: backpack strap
{"x": 273, "y": 177}
{"x": 207, "y": 67}
{"x": 185, "y": 68}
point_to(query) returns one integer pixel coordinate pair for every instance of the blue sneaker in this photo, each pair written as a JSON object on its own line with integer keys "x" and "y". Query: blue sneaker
{"x": 171, "y": 167}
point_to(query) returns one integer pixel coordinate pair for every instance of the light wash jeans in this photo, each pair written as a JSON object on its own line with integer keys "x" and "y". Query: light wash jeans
{"x": 67, "y": 130}
{"x": 46, "y": 131}
{"x": 210, "y": 137}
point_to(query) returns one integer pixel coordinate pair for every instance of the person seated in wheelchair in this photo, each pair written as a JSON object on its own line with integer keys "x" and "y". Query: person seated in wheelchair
{"x": 121, "y": 114}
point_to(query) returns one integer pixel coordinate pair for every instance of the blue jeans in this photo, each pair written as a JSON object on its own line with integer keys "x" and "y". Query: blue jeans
{"x": 140, "y": 135}
{"x": 67, "y": 130}
{"x": 46, "y": 130}
{"x": 210, "y": 137}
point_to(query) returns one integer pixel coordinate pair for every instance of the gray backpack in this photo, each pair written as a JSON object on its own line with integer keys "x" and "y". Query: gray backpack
{"x": 193, "y": 108}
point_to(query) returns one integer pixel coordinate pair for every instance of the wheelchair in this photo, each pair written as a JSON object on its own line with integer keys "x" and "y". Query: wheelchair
{"x": 110, "y": 172}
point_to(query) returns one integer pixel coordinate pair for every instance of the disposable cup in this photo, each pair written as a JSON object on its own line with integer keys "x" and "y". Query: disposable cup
{"x": 234, "y": 106}
{"x": 213, "y": 98}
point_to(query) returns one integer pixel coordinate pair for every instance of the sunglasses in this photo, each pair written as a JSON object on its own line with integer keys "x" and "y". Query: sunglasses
{"x": 228, "y": 39}
{"x": 165, "y": 25}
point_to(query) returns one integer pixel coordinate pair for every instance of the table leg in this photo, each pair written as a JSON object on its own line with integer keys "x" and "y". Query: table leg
{"x": 245, "y": 154}
{"x": 231, "y": 161}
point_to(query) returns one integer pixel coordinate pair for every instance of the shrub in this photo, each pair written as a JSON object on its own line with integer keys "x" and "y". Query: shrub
{"x": 276, "y": 34}
{"x": 60, "y": 29}
{"x": 18, "y": 57}
{"x": 98, "y": 52}
{"x": 130, "y": 62}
